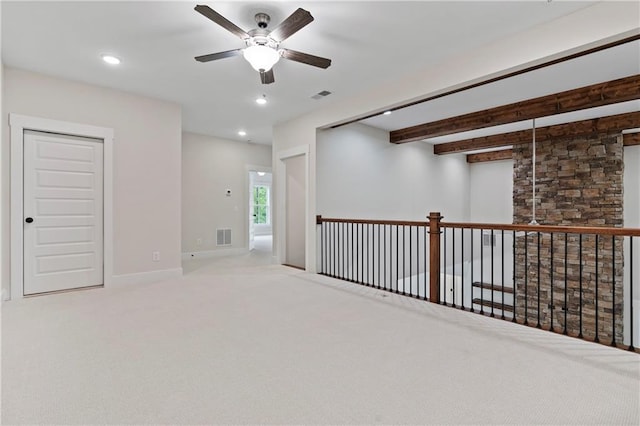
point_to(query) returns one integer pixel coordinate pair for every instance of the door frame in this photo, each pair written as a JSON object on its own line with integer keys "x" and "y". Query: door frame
{"x": 281, "y": 182}
{"x": 18, "y": 124}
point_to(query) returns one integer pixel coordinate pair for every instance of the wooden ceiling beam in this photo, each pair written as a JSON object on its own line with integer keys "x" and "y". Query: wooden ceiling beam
{"x": 604, "y": 125}
{"x": 631, "y": 139}
{"x": 482, "y": 157}
{"x": 610, "y": 92}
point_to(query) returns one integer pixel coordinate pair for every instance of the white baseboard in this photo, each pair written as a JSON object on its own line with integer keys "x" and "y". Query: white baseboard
{"x": 146, "y": 277}
{"x": 214, "y": 253}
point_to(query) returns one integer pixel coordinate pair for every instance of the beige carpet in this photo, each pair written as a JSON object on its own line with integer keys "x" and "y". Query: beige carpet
{"x": 238, "y": 340}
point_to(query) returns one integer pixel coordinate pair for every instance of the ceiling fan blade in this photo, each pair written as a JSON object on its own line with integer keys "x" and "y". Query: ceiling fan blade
{"x": 305, "y": 58}
{"x": 296, "y": 21}
{"x": 267, "y": 77}
{"x": 221, "y": 20}
{"x": 219, "y": 55}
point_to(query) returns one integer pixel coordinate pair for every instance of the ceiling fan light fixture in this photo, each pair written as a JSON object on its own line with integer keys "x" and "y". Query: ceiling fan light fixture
{"x": 261, "y": 58}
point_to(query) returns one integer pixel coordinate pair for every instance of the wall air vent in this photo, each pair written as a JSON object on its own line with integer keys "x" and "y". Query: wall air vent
{"x": 321, "y": 95}
{"x": 223, "y": 237}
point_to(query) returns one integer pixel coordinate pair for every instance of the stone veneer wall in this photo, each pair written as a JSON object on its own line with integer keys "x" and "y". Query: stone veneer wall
{"x": 578, "y": 183}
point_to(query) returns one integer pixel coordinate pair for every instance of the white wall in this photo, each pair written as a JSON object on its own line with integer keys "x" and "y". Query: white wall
{"x": 554, "y": 39}
{"x": 361, "y": 175}
{"x": 210, "y": 167}
{"x": 146, "y": 185}
{"x": 491, "y": 192}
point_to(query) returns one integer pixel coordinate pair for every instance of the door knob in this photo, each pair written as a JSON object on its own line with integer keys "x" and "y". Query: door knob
{"x": 29, "y": 220}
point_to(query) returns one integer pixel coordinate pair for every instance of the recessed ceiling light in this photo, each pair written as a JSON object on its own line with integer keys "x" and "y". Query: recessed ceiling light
{"x": 386, "y": 113}
{"x": 242, "y": 133}
{"x": 262, "y": 100}
{"x": 112, "y": 60}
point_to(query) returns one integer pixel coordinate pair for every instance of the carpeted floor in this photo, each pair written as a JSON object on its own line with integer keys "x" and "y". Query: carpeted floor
{"x": 238, "y": 340}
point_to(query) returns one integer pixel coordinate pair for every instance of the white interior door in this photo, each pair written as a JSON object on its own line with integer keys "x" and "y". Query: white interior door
{"x": 63, "y": 212}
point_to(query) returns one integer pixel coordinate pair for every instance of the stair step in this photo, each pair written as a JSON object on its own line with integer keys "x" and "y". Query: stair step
{"x": 496, "y": 305}
{"x": 493, "y": 287}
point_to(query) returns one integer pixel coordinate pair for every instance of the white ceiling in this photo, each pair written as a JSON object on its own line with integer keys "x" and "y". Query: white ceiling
{"x": 370, "y": 43}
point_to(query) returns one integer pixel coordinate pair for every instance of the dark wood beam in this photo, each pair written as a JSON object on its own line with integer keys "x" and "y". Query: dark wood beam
{"x": 631, "y": 139}
{"x": 503, "y": 154}
{"x": 604, "y": 125}
{"x": 611, "y": 92}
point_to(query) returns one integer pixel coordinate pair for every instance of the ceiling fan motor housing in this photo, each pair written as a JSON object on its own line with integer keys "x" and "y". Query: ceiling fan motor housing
{"x": 262, "y": 19}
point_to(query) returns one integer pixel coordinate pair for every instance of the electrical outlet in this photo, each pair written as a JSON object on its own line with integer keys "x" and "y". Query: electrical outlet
{"x": 155, "y": 256}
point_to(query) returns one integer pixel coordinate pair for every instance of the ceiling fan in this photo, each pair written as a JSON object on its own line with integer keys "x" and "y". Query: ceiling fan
{"x": 263, "y": 49}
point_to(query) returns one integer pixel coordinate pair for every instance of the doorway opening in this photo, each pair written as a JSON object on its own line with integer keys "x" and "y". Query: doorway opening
{"x": 260, "y": 211}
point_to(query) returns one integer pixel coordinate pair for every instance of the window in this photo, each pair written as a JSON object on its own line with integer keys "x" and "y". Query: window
{"x": 261, "y": 209}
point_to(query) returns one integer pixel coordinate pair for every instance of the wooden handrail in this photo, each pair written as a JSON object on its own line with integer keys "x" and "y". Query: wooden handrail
{"x": 320, "y": 220}
{"x": 597, "y": 230}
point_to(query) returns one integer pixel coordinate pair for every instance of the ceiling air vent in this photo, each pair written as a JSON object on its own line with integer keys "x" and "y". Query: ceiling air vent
{"x": 321, "y": 95}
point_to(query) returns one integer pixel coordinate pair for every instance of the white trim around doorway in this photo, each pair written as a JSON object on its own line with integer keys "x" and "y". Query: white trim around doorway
{"x": 18, "y": 124}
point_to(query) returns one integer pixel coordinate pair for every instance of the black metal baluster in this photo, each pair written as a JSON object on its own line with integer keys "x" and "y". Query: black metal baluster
{"x": 538, "y": 324}
{"x": 369, "y": 253}
{"x": 322, "y": 247}
{"x": 631, "y": 348}
{"x": 613, "y": 290}
{"x": 444, "y": 268}
{"x": 355, "y": 251}
{"x": 384, "y": 257}
{"x": 552, "y": 283}
{"x": 472, "y": 262}
{"x": 332, "y": 244}
{"x": 526, "y": 278}
{"x": 346, "y": 250}
{"x": 502, "y": 267}
{"x": 410, "y": 260}
{"x": 492, "y": 277}
{"x": 597, "y": 339}
{"x": 404, "y": 258}
{"x": 418, "y": 261}
{"x": 515, "y": 305}
{"x": 362, "y": 254}
{"x": 482, "y": 271}
{"x": 462, "y": 268}
{"x": 580, "y": 267}
{"x": 342, "y": 224}
{"x": 425, "y": 261}
{"x": 379, "y": 258}
{"x": 453, "y": 266}
{"x": 566, "y": 258}
{"x": 397, "y": 258}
